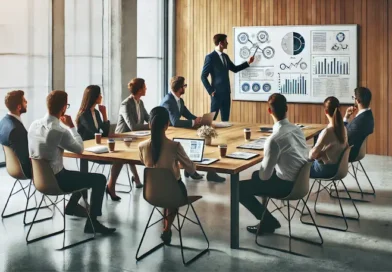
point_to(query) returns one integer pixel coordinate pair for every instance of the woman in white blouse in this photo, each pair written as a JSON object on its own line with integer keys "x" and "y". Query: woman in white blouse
{"x": 331, "y": 142}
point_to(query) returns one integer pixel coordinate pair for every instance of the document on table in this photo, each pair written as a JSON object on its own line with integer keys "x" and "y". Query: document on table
{"x": 256, "y": 144}
{"x": 242, "y": 155}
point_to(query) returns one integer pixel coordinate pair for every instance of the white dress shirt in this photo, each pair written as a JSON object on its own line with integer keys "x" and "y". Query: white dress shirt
{"x": 94, "y": 119}
{"x": 16, "y": 116}
{"x": 221, "y": 57}
{"x": 48, "y": 139}
{"x": 137, "y": 104}
{"x": 285, "y": 151}
{"x": 178, "y": 100}
{"x": 359, "y": 112}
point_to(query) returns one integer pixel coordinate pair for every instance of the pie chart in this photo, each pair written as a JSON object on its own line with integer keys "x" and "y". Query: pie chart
{"x": 293, "y": 43}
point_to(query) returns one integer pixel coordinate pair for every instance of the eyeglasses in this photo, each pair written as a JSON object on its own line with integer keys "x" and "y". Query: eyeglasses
{"x": 68, "y": 105}
{"x": 185, "y": 85}
{"x": 353, "y": 97}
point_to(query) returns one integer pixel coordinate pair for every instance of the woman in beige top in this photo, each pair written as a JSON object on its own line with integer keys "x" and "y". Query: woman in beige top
{"x": 160, "y": 152}
{"x": 330, "y": 144}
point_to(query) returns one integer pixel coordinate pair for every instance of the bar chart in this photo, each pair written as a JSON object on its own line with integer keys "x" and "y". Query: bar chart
{"x": 290, "y": 83}
{"x": 331, "y": 65}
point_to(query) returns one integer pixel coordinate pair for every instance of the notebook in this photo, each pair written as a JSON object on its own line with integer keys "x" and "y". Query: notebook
{"x": 256, "y": 144}
{"x": 223, "y": 125}
{"x": 207, "y": 118}
{"x": 98, "y": 149}
{"x": 140, "y": 133}
{"x": 242, "y": 155}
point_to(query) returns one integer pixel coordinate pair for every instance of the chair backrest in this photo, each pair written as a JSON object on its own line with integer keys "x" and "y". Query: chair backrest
{"x": 44, "y": 179}
{"x": 14, "y": 168}
{"x": 362, "y": 151}
{"x": 301, "y": 183}
{"x": 161, "y": 188}
{"x": 343, "y": 164}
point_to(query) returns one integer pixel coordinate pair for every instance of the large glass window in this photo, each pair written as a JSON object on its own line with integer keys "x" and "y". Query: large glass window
{"x": 25, "y": 54}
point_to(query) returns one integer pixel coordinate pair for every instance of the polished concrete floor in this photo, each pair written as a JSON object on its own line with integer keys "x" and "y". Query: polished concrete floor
{"x": 366, "y": 246}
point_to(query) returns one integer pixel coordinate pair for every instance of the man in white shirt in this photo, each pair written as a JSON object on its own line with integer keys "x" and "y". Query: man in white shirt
{"x": 285, "y": 152}
{"x": 48, "y": 139}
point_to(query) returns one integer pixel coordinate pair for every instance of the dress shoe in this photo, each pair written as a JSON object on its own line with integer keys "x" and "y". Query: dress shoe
{"x": 212, "y": 176}
{"x": 166, "y": 237}
{"x": 78, "y": 211}
{"x": 193, "y": 176}
{"x": 98, "y": 227}
{"x": 113, "y": 197}
{"x": 266, "y": 227}
{"x": 138, "y": 186}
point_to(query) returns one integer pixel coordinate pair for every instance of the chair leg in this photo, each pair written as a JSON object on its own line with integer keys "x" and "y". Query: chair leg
{"x": 371, "y": 184}
{"x": 180, "y": 226}
{"x": 138, "y": 258}
{"x": 129, "y": 181}
{"x": 27, "y": 204}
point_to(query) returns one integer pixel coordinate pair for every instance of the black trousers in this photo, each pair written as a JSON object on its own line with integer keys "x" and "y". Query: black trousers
{"x": 274, "y": 187}
{"x": 221, "y": 102}
{"x": 69, "y": 181}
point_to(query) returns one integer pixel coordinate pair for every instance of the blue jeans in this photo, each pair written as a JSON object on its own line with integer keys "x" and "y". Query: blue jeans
{"x": 319, "y": 170}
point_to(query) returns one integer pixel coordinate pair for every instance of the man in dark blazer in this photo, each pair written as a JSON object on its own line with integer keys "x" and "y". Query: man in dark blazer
{"x": 177, "y": 109}
{"x": 12, "y": 131}
{"x": 363, "y": 123}
{"x": 217, "y": 64}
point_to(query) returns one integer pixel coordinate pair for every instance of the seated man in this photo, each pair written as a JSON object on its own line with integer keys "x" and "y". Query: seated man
{"x": 47, "y": 140}
{"x": 176, "y": 108}
{"x": 285, "y": 152}
{"x": 12, "y": 131}
{"x": 363, "y": 123}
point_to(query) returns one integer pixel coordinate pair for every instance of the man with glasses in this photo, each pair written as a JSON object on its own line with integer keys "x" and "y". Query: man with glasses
{"x": 48, "y": 140}
{"x": 362, "y": 124}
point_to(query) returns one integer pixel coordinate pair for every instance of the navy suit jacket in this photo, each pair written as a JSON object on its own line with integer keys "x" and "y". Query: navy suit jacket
{"x": 357, "y": 131}
{"x": 170, "y": 103}
{"x": 14, "y": 135}
{"x": 86, "y": 126}
{"x": 220, "y": 81}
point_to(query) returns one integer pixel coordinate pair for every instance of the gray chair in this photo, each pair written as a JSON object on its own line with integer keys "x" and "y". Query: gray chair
{"x": 338, "y": 177}
{"x": 161, "y": 190}
{"x": 15, "y": 170}
{"x": 299, "y": 191}
{"x": 46, "y": 183}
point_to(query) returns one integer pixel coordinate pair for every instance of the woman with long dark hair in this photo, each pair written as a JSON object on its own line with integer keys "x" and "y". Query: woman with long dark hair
{"x": 161, "y": 152}
{"x": 331, "y": 142}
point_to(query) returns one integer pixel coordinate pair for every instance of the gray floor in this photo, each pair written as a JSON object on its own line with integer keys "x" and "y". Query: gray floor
{"x": 366, "y": 246}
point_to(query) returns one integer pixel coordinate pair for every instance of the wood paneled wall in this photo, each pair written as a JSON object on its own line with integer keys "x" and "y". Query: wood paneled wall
{"x": 198, "y": 20}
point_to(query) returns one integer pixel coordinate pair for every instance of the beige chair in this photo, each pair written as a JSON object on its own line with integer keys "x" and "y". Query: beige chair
{"x": 161, "y": 190}
{"x": 338, "y": 177}
{"x": 299, "y": 191}
{"x": 46, "y": 183}
{"x": 355, "y": 169}
{"x": 15, "y": 170}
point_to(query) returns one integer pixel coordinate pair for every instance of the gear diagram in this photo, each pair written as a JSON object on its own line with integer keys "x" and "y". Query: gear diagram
{"x": 267, "y": 52}
{"x": 263, "y": 36}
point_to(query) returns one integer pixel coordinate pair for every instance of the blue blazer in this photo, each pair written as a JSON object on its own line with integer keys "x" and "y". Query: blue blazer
{"x": 14, "y": 135}
{"x": 170, "y": 103}
{"x": 357, "y": 130}
{"x": 213, "y": 66}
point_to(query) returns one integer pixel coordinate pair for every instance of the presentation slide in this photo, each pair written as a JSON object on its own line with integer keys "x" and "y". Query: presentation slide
{"x": 305, "y": 63}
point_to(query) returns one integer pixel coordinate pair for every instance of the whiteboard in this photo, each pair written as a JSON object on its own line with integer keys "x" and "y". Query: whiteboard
{"x": 304, "y": 63}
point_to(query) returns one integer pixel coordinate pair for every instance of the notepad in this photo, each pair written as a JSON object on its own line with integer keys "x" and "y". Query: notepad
{"x": 223, "y": 125}
{"x": 256, "y": 144}
{"x": 207, "y": 161}
{"x": 140, "y": 133}
{"x": 242, "y": 155}
{"x": 98, "y": 149}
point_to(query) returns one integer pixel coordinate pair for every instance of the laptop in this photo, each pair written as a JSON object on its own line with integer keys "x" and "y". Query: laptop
{"x": 194, "y": 148}
{"x": 207, "y": 118}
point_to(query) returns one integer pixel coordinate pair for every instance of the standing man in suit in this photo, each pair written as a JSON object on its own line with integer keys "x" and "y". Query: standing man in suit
{"x": 363, "y": 123}
{"x": 177, "y": 109}
{"x": 217, "y": 64}
{"x": 12, "y": 131}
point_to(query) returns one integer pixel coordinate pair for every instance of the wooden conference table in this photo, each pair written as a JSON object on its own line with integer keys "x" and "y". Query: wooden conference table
{"x": 232, "y": 136}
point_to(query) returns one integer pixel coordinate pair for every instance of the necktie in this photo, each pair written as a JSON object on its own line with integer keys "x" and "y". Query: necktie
{"x": 223, "y": 60}
{"x": 179, "y": 105}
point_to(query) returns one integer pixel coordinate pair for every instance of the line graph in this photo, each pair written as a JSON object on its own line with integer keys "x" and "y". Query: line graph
{"x": 299, "y": 63}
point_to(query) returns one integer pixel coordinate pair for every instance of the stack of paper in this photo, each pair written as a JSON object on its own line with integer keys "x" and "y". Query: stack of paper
{"x": 223, "y": 125}
{"x": 98, "y": 149}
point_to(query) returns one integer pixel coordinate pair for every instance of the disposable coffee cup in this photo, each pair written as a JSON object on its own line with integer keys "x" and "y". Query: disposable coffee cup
{"x": 111, "y": 145}
{"x": 98, "y": 138}
{"x": 127, "y": 141}
{"x": 247, "y": 133}
{"x": 222, "y": 150}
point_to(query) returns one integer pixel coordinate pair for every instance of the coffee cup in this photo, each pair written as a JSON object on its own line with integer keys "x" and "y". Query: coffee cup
{"x": 127, "y": 141}
{"x": 98, "y": 138}
{"x": 111, "y": 145}
{"x": 247, "y": 133}
{"x": 222, "y": 150}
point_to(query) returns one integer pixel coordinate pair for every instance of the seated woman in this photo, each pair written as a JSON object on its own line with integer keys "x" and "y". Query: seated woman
{"x": 160, "y": 152}
{"x": 89, "y": 121}
{"x": 132, "y": 117}
{"x": 330, "y": 144}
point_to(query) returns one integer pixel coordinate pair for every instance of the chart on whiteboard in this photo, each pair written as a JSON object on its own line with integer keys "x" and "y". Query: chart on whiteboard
{"x": 305, "y": 63}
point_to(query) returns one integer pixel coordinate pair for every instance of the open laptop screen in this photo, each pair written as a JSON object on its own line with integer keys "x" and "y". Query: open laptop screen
{"x": 194, "y": 148}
